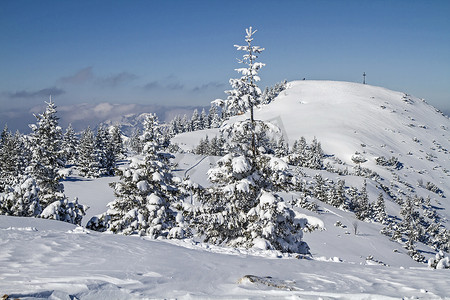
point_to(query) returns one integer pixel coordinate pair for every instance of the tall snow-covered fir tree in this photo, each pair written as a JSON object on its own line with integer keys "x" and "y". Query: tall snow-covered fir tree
{"x": 245, "y": 94}
{"x": 47, "y": 155}
{"x": 241, "y": 207}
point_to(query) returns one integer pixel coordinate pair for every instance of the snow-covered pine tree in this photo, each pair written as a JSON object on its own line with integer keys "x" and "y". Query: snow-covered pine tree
{"x": 196, "y": 123}
{"x": 217, "y": 145}
{"x": 410, "y": 228}
{"x": 203, "y": 147}
{"x": 151, "y": 130}
{"x": 47, "y": 155}
{"x": 214, "y": 118}
{"x": 185, "y": 124}
{"x": 314, "y": 159}
{"x": 338, "y": 198}
{"x": 204, "y": 121}
{"x": 281, "y": 147}
{"x": 69, "y": 145}
{"x": 143, "y": 197}
{"x": 102, "y": 150}
{"x": 379, "y": 210}
{"x": 243, "y": 178}
{"x": 363, "y": 210}
{"x": 245, "y": 93}
{"x": 298, "y": 156}
{"x": 14, "y": 158}
{"x": 135, "y": 142}
{"x": 117, "y": 142}
{"x": 353, "y": 198}
{"x": 320, "y": 188}
{"x": 88, "y": 161}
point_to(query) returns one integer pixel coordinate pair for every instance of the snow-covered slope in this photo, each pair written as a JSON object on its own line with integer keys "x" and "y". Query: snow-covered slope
{"x": 44, "y": 259}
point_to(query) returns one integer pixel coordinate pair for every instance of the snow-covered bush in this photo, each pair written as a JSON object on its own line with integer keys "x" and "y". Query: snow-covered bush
{"x": 440, "y": 261}
{"x": 272, "y": 225}
{"x": 65, "y": 210}
{"x": 21, "y": 199}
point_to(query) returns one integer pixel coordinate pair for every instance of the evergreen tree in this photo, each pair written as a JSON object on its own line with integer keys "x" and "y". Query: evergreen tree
{"x": 204, "y": 121}
{"x": 151, "y": 129}
{"x": 65, "y": 211}
{"x": 143, "y": 197}
{"x": 14, "y": 158}
{"x": 380, "y": 210}
{"x": 69, "y": 145}
{"x": 103, "y": 150}
{"x": 363, "y": 209}
{"x": 196, "y": 123}
{"x": 338, "y": 198}
{"x": 298, "y": 155}
{"x": 214, "y": 117}
{"x": 47, "y": 155}
{"x": 117, "y": 142}
{"x": 217, "y": 145}
{"x": 135, "y": 142}
{"x": 320, "y": 188}
{"x": 281, "y": 147}
{"x": 88, "y": 161}
{"x": 185, "y": 125}
{"x": 239, "y": 209}
{"x": 314, "y": 159}
{"x": 245, "y": 93}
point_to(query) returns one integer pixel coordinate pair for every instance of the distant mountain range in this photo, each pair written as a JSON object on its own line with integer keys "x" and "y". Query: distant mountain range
{"x": 87, "y": 114}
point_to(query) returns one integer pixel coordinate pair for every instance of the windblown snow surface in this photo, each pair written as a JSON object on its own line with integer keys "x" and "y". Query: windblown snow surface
{"x": 44, "y": 259}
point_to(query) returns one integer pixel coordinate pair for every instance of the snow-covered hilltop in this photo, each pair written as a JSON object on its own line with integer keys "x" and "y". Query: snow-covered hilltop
{"x": 348, "y": 117}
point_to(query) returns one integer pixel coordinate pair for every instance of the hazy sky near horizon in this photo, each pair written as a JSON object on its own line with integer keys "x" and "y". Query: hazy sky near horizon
{"x": 181, "y": 52}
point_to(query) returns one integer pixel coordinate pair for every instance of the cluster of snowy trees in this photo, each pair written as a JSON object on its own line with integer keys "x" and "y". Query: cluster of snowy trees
{"x": 270, "y": 93}
{"x": 95, "y": 155}
{"x": 213, "y": 147}
{"x": 31, "y": 185}
{"x": 198, "y": 121}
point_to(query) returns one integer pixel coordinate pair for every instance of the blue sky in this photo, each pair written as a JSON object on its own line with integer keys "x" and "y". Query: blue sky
{"x": 181, "y": 52}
